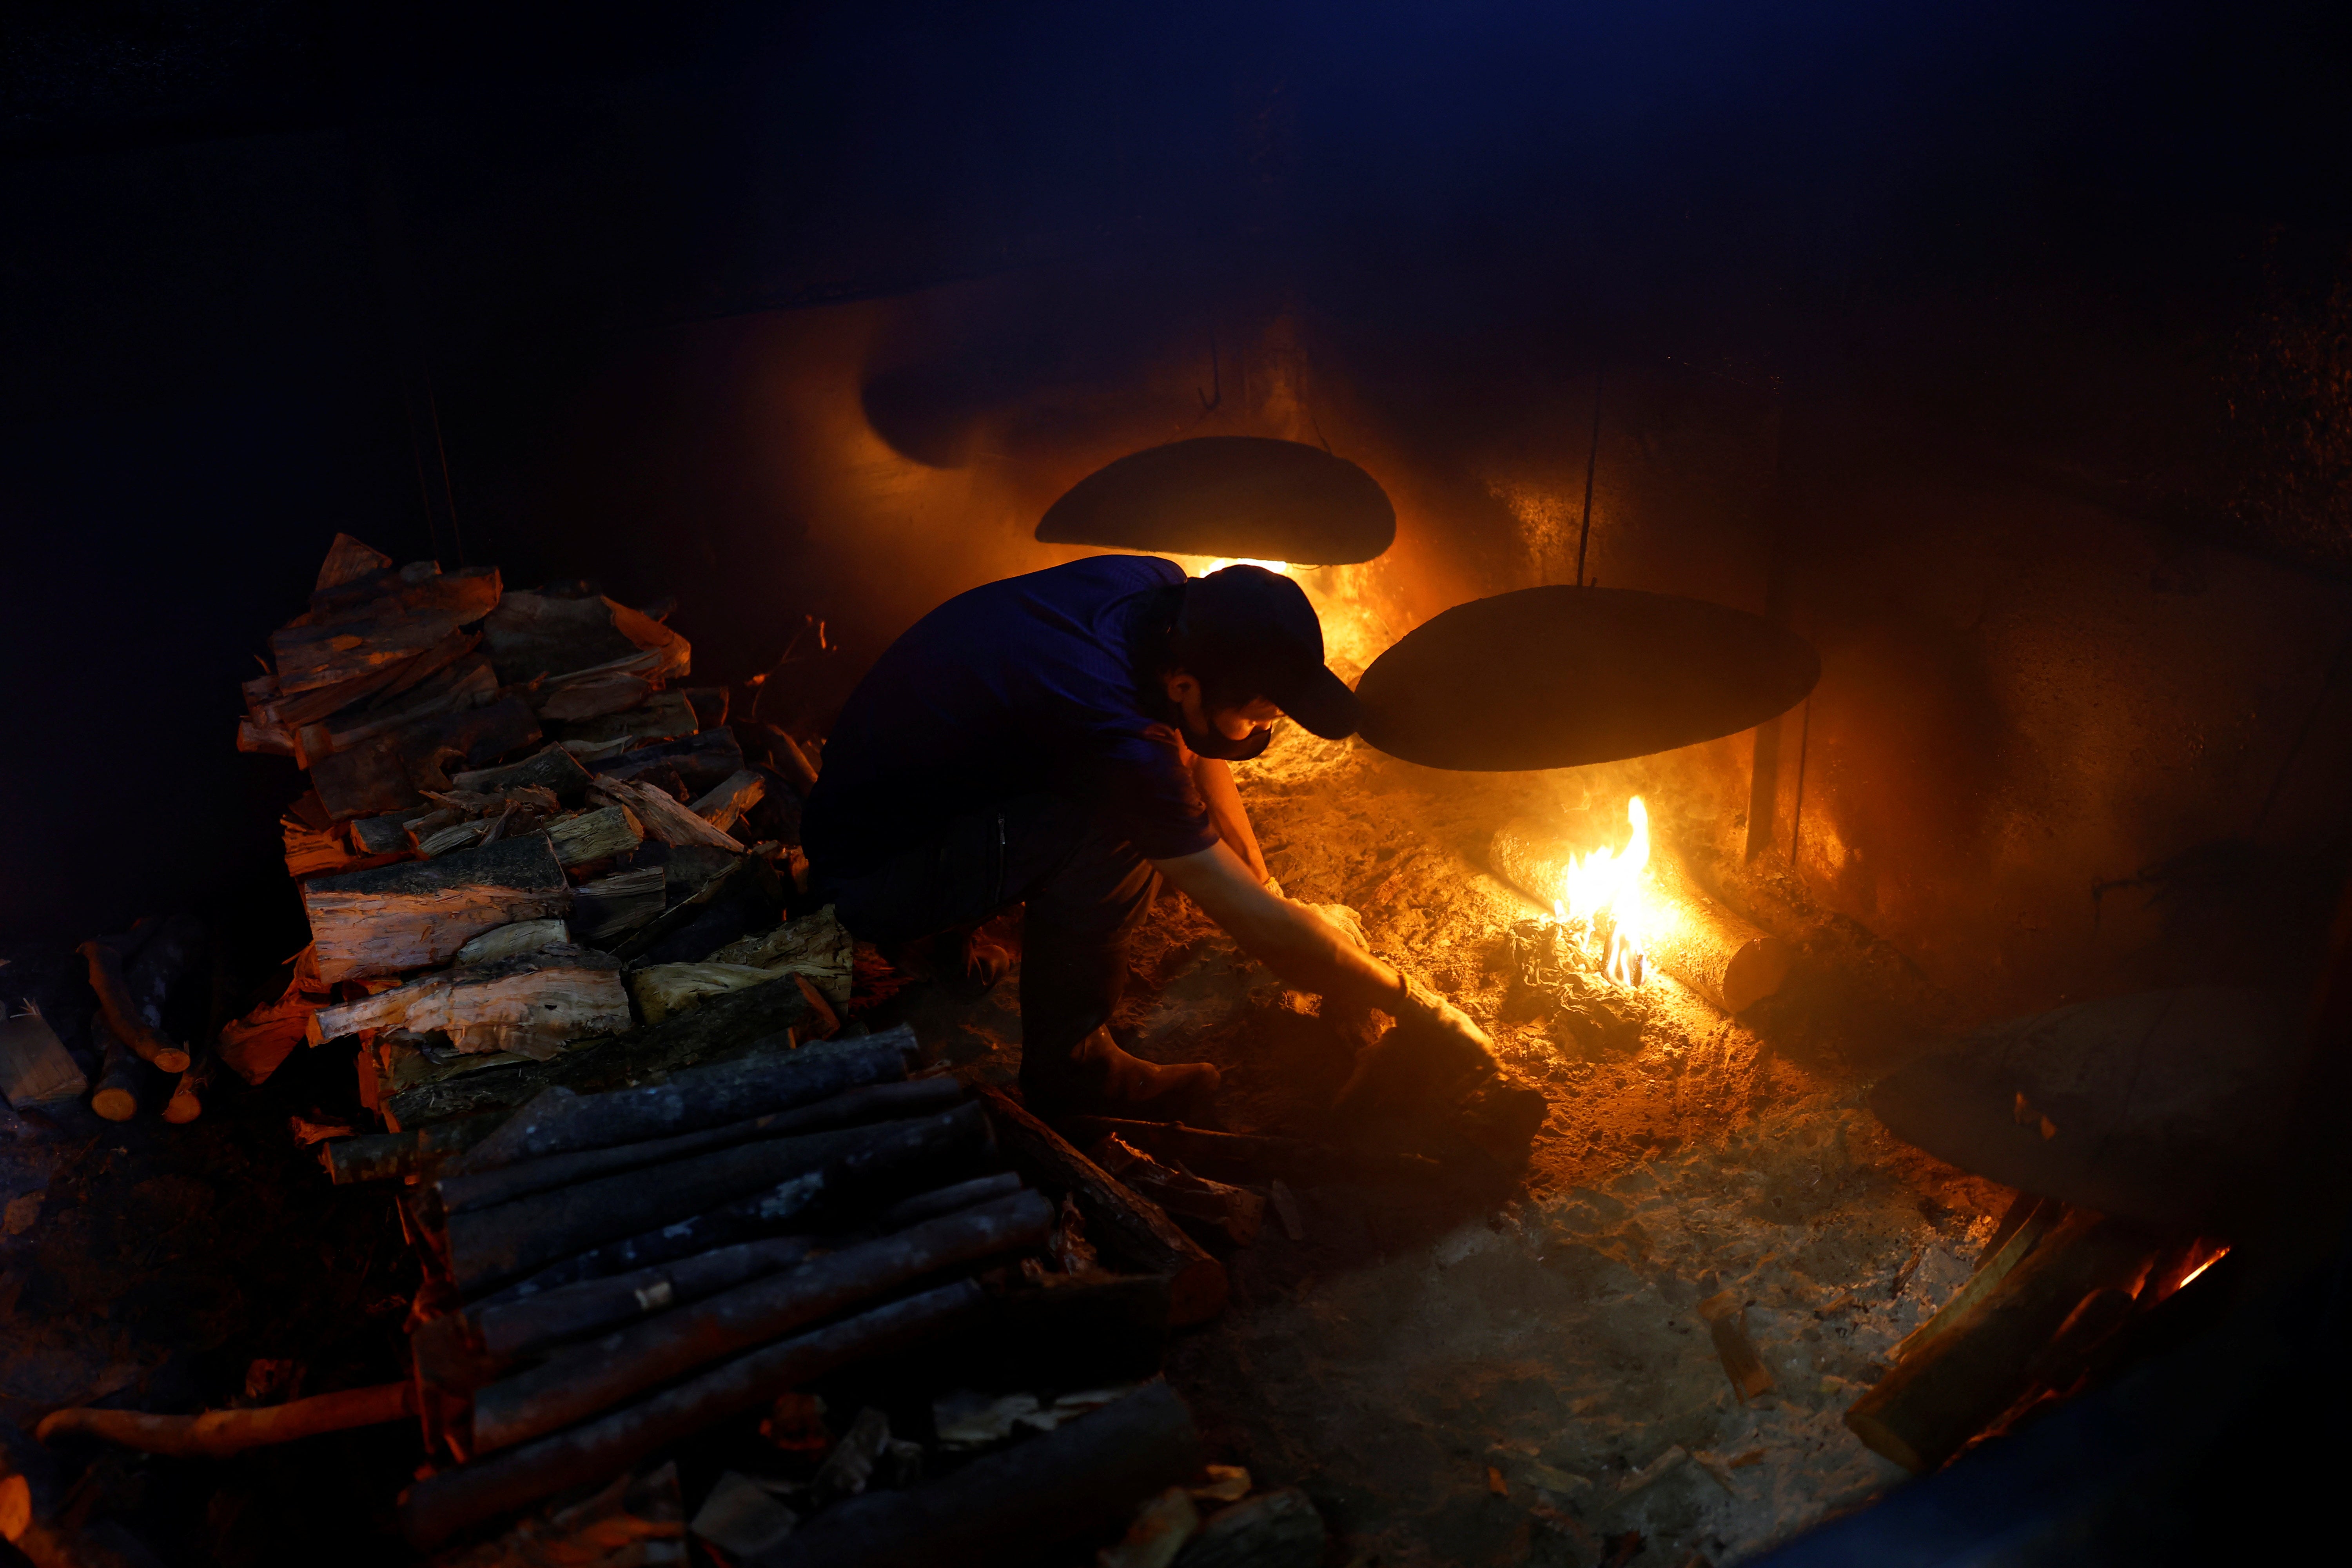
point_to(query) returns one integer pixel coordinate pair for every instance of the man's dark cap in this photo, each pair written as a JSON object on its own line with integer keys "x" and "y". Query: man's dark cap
{"x": 1251, "y": 628}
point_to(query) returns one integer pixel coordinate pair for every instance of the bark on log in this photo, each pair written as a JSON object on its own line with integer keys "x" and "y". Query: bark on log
{"x": 123, "y": 1014}
{"x": 614, "y": 906}
{"x": 528, "y": 1004}
{"x": 456, "y": 1499}
{"x": 1083, "y": 1479}
{"x": 703, "y": 1097}
{"x": 550, "y": 768}
{"x": 699, "y": 762}
{"x": 398, "y": 1156}
{"x": 515, "y": 937}
{"x": 853, "y": 1108}
{"x": 594, "y": 1376}
{"x": 759, "y": 1023}
{"x": 928, "y": 1151}
{"x": 1118, "y": 1220}
{"x": 941, "y": 1200}
{"x": 418, "y": 914}
{"x": 1730, "y": 963}
{"x": 493, "y": 1247}
{"x": 34, "y": 1065}
{"x": 1941, "y": 1396}
{"x": 217, "y": 1434}
{"x": 594, "y": 1306}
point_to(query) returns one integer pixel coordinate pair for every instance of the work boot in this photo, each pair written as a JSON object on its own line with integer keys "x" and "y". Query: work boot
{"x": 1098, "y": 1079}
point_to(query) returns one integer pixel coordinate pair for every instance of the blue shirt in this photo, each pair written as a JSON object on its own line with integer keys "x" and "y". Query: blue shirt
{"x": 1021, "y": 687}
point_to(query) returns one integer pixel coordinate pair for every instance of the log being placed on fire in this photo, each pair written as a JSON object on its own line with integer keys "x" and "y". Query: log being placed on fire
{"x": 1730, "y": 963}
{"x": 853, "y": 1108}
{"x": 217, "y": 1434}
{"x": 919, "y": 1152}
{"x": 456, "y": 1499}
{"x": 576, "y": 1383}
{"x": 1947, "y": 1388}
{"x": 1082, "y": 1478}
{"x": 418, "y": 914}
{"x": 529, "y": 1003}
{"x": 492, "y": 1247}
{"x": 1117, "y": 1218}
{"x": 561, "y": 1122}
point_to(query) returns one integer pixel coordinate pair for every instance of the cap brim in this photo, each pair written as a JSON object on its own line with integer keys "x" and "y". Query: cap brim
{"x": 1322, "y": 704}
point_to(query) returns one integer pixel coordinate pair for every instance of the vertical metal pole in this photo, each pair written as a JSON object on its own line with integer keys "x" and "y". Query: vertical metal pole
{"x": 1591, "y": 462}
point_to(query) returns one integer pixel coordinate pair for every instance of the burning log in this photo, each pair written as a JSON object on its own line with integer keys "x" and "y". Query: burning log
{"x": 591, "y": 1377}
{"x": 417, "y": 915}
{"x": 123, "y": 1015}
{"x": 488, "y": 1247}
{"x": 1117, "y": 1218}
{"x": 217, "y": 1434}
{"x": 857, "y": 1106}
{"x": 1730, "y": 963}
{"x": 1084, "y": 1477}
{"x": 1947, "y": 1388}
{"x": 456, "y": 1499}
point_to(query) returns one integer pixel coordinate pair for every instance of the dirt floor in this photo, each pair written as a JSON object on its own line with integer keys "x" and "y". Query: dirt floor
{"x": 1507, "y": 1371}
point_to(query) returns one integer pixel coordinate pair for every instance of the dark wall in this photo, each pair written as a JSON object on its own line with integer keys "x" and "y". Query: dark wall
{"x": 554, "y": 289}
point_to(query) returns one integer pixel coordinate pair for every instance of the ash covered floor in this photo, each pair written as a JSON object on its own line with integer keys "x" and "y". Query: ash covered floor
{"x": 1507, "y": 1371}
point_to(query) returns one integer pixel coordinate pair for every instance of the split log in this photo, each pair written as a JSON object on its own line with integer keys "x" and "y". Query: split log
{"x": 418, "y": 914}
{"x": 553, "y": 768}
{"x": 456, "y": 1499}
{"x": 465, "y": 684}
{"x": 662, "y": 817}
{"x": 576, "y": 1383}
{"x": 817, "y": 945}
{"x": 704, "y": 1097}
{"x": 1235, "y": 1213}
{"x": 596, "y": 834}
{"x": 217, "y": 1434}
{"x": 2041, "y": 1216}
{"x": 347, "y": 560}
{"x": 528, "y": 1004}
{"x": 726, "y": 801}
{"x": 1084, "y": 1479}
{"x": 329, "y": 653}
{"x": 516, "y": 937}
{"x": 662, "y": 989}
{"x": 699, "y": 761}
{"x": 1118, "y": 1219}
{"x": 590, "y": 697}
{"x": 623, "y": 902}
{"x": 517, "y": 1327}
{"x": 791, "y": 761}
{"x": 492, "y": 1247}
{"x": 472, "y": 737}
{"x": 35, "y": 1069}
{"x": 271, "y": 708}
{"x": 746, "y": 896}
{"x": 368, "y": 780}
{"x": 1727, "y": 961}
{"x": 1944, "y": 1393}
{"x": 760, "y": 1023}
{"x": 418, "y": 1155}
{"x": 123, "y": 1015}
{"x": 833, "y": 1197}
{"x": 709, "y": 703}
{"x": 545, "y": 637}
{"x": 1272, "y": 1529}
{"x": 465, "y": 594}
{"x": 855, "y": 1108}
{"x": 663, "y": 716}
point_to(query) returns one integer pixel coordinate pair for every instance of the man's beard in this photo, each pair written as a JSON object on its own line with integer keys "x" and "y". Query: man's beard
{"x": 1223, "y": 747}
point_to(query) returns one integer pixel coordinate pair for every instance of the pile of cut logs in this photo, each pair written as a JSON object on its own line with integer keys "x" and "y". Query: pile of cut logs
{"x": 653, "y": 1179}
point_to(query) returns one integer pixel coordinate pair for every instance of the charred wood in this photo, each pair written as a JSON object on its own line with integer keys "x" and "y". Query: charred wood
{"x": 593, "y": 1306}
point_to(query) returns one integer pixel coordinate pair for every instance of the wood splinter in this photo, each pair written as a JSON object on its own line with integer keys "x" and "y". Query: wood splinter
{"x": 1722, "y": 1313}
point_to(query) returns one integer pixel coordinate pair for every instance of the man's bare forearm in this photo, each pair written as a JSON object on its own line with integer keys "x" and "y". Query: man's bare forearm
{"x": 1215, "y": 780}
{"x": 1296, "y": 943}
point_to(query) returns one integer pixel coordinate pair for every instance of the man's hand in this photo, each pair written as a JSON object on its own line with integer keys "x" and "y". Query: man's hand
{"x": 1306, "y": 946}
{"x": 1350, "y": 924}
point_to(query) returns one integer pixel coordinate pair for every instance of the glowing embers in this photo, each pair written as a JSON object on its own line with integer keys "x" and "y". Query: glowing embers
{"x": 1607, "y": 906}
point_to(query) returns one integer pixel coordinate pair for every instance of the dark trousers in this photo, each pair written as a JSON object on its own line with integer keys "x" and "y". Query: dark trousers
{"x": 1086, "y": 888}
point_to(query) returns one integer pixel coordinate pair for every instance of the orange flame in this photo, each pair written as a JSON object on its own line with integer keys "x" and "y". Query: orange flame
{"x": 1606, "y": 894}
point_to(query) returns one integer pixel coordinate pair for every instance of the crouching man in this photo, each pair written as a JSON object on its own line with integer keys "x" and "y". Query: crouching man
{"x": 1060, "y": 741}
